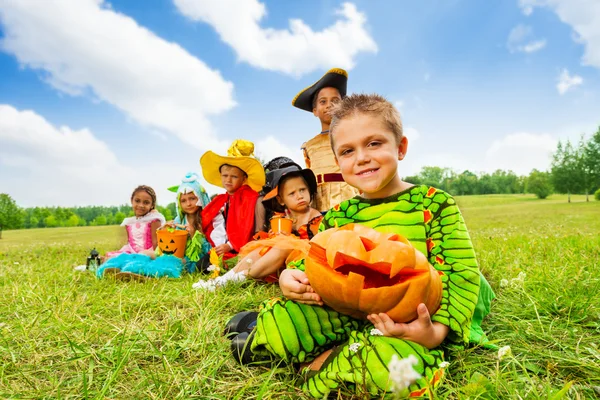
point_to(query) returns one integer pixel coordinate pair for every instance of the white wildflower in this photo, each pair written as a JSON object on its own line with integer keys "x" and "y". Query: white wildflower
{"x": 402, "y": 373}
{"x": 444, "y": 364}
{"x": 354, "y": 347}
{"x": 16, "y": 263}
{"x": 504, "y": 352}
{"x": 213, "y": 268}
{"x": 376, "y": 332}
{"x": 503, "y": 282}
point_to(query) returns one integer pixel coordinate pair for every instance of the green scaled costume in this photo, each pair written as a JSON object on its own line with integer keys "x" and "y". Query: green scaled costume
{"x": 297, "y": 332}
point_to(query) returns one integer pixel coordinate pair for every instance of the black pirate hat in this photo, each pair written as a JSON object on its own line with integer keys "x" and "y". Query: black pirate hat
{"x": 335, "y": 77}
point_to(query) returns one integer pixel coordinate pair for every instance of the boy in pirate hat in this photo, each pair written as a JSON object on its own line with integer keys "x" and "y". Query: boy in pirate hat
{"x": 228, "y": 220}
{"x": 318, "y": 99}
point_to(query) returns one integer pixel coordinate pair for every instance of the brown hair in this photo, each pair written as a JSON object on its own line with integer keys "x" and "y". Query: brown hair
{"x": 233, "y": 166}
{"x": 197, "y": 215}
{"x": 147, "y": 189}
{"x": 370, "y": 104}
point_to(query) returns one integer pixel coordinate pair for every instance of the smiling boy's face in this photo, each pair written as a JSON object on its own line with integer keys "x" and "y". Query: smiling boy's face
{"x": 367, "y": 153}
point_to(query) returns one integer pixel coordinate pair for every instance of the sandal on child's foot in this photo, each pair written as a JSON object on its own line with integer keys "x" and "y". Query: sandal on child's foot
{"x": 241, "y": 322}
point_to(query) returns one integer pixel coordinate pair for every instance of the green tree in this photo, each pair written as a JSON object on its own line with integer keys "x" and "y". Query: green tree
{"x": 173, "y": 208}
{"x": 434, "y": 176}
{"x": 567, "y": 172}
{"x": 591, "y": 160}
{"x": 72, "y": 221}
{"x": 119, "y": 217}
{"x": 11, "y": 216}
{"x": 539, "y": 183}
{"x": 100, "y": 220}
{"x": 33, "y": 222}
{"x": 464, "y": 184}
{"x": 50, "y": 221}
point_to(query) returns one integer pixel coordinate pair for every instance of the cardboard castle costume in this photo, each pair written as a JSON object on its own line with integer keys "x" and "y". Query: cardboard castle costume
{"x": 317, "y": 151}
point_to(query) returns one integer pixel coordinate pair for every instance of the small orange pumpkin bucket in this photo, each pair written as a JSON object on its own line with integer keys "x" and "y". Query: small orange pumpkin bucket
{"x": 281, "y": 224}
{"x": 172, "y": 242}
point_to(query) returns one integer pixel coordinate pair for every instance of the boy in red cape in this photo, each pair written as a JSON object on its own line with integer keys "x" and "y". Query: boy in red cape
{"x": 228, "y": 220}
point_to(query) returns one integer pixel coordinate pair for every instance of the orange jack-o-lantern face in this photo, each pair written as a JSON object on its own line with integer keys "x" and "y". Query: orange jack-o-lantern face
{"x": 172, "y": 243}
{"x": 359, "y": 271}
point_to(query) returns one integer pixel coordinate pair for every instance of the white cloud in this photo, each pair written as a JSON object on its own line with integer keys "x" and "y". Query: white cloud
{"x": 84, "y": 47}
{"x": 294, "y": 51}
{"x": 566, "y": 81}
{"x": 411, "y": 133}
{"x": 520, "y": 39}
{"x": 583, "y": 16}
{"x": 46, "y": 165}
{"x": 534, "y": 46}
{"x": 527, "y": 10}
{"x": 521, "y": 152}
{"x": 270, "y": 147}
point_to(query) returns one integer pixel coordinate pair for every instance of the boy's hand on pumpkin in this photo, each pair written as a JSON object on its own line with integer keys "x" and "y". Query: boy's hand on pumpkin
{"x": 295, "y": 286}
{"x": 422, "y": 330}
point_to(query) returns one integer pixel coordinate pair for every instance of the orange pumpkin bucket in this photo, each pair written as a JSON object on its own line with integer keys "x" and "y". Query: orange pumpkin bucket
{"x": 281, "y": 224}
{"x": 359, "y": 271}
{"x": 172, "y": 242}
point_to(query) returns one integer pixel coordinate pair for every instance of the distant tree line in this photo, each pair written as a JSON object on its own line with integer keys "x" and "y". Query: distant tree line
{"x": 14, "y": 217}
{"x": 575, "y": 169}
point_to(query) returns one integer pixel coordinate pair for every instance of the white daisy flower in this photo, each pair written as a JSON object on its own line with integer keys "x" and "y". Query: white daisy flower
{"x": 504, "y": 352}
{"x": 376, "y": 332}
{"x": 402, "y": 373}
{"x": 354, "y": 347}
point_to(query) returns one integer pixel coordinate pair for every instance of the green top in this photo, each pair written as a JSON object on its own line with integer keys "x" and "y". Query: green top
{"x": 430, "y": 219}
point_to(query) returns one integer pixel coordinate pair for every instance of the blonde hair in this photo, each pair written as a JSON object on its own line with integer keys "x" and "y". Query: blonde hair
{"x": 369, "y": 104}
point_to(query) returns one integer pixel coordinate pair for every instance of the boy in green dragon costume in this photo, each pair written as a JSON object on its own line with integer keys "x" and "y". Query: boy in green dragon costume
{"x": 367, "y": 141}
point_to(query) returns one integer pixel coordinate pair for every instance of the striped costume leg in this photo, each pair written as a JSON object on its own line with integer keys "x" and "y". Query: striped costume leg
{"x": 297, "y": 332}
{"x": 361, "y": 366}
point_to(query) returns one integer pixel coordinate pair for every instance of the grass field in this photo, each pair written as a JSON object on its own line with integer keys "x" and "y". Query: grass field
{"x": 65, "y": 334}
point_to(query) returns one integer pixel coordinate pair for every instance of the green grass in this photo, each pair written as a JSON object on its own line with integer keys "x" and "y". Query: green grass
{"x": 65, "y": 334}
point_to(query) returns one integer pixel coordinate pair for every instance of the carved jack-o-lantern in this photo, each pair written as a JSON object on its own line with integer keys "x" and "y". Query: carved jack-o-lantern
{"x": 172, "y": 242}
{"x": 359, "y": 271}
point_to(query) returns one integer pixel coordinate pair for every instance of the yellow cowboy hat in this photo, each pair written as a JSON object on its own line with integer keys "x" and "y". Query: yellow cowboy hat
{"x": 241, "y": 155}
{"x": 335, "y": 77}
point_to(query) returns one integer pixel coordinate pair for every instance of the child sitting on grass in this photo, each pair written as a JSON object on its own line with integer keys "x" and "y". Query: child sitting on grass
{"x": 191, "y": 199}
{"x": 264, "y": 258}
{"x": 367, "y": 141}
{"x": 141, "y": 228}
{"x": 228, "y": 220}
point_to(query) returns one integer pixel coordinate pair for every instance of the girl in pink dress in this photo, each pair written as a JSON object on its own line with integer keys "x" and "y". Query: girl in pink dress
{"x": 141, "y": 229}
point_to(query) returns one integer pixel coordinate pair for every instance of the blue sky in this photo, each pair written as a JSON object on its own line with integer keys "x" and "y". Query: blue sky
{"x": 97, "y": 97}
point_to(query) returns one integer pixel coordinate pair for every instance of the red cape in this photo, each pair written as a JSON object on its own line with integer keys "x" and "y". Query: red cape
{"x": 240, "y": 216}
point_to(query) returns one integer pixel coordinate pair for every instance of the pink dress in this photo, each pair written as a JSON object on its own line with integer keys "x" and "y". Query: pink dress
{"x": 139, "y": 233}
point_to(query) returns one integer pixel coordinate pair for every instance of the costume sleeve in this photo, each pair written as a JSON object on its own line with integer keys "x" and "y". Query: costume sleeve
{"x": 451, "y": 252}
{"x": 218, "y": 234}
{"x": 160, "y": 218}
{"x": 306, "y": 157}
{"x": 259, "y": 216}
